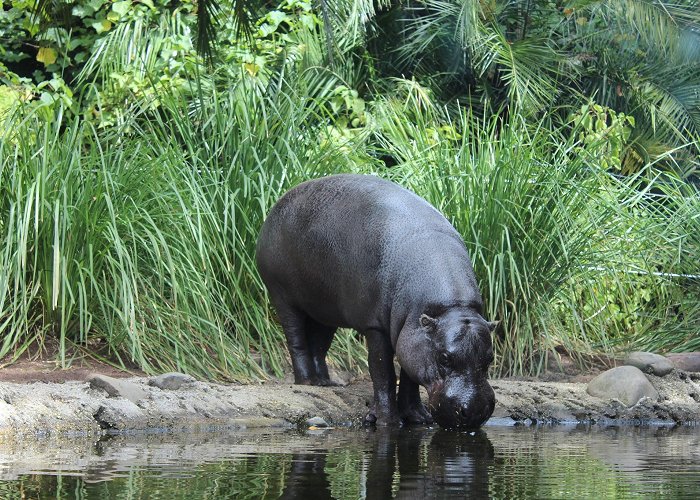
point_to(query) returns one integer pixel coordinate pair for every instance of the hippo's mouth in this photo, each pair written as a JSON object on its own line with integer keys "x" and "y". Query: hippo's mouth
{"x": 435, "y": 392}
{"x": 459, "y": 414}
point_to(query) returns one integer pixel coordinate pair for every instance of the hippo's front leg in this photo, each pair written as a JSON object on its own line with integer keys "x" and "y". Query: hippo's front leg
{"x": 411, "y": 408}
{"x": 381, "y": 369}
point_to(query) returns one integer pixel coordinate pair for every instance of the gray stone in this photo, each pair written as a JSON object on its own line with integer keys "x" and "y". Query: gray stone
{"x": 649, "y": 362}
{"x": 340, "y": 377}
{"x": 118, "y": 388}
{"x": 625, "y": 383}
{"x": 686, "y": 361}
{"x": 316, "y": 422}
{"x": 170, "y": 381}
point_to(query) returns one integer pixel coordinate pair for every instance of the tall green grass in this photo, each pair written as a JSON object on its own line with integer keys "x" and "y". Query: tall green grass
{"x": 136, "y": 244}
{"x": 550, "y": 232}
{"x": 143, "y": 242}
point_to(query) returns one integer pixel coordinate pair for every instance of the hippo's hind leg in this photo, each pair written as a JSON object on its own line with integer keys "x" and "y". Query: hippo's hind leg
{"x": 308, "y": 342}
{"x": 411, "y": 408}
{"x": 319, "y": 338}
{"x": 293, "y": 323}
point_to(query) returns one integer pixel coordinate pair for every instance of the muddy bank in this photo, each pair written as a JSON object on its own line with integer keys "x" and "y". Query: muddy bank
{"x": 80, "y": 407}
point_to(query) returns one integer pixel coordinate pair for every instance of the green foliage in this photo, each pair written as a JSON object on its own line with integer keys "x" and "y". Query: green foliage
{"x": 536, "y": 57}
{"x": 282, "y": 37}
{"x": 62, "y": 37}
{"x": 539, "y": 215}
{"x": 135, "y": 174}
{"x": 144, "y": 245}
{"x": 606, "y": 129}
{"x": 115, "y": 46}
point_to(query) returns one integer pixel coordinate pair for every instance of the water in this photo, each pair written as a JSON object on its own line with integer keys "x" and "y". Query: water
{"x": 497, "y": 462}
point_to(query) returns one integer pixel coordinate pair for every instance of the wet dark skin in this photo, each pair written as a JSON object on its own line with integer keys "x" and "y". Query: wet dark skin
{"x": 364, "y": 253}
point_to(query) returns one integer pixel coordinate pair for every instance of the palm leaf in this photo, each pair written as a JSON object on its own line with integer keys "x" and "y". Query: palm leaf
{"x": 529, "y": 67}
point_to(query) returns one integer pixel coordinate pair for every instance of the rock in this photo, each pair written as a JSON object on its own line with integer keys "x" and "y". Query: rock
{"x": 649, "y": 362}
{"x": 340, "y": 377}
{"x": 625, "y": 383}
{"x": 686, "y": 361}
{"x": 117, "y": 388}
{"x": 120, "y": 414}
{"x": 170, "y": 381}
{"x": 316, "y": 422}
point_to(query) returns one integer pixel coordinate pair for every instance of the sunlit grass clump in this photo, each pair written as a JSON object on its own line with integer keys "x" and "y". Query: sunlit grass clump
{"x": 560, "y": 244}
{"x": 142, "y": 242}
{"x": 136, "y": 244}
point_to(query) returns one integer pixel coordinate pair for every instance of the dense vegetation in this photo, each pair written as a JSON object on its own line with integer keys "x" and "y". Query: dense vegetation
{"x": 143, "y": 142}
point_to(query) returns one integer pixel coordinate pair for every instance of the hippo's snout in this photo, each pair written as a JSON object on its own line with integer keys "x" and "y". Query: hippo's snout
{"x": 460, "y": 405}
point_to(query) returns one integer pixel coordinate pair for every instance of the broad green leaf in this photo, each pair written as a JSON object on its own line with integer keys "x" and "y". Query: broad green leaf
{"x": 84, "y": 10}
{"x": 102, "y": 26}
{"x": 308, "y": 21}
{"x": 276, "y": 17}
{"x": 46, "y": 55}
{"x": 121, "y": 8}
{"x": 96, "y": 4}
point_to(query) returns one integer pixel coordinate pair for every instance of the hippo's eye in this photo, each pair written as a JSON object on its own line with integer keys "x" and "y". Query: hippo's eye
{"x": 443, "y": 363}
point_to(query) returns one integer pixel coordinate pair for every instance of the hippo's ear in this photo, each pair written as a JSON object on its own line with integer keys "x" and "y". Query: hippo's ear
{"x": 493, "y": 325}
{"x": 428, "y": 322}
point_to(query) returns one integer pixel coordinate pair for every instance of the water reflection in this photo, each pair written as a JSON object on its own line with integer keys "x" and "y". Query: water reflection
{"x": 421, "y": 463}
{"x": 307, "y": 478}
{"x": 406, "y": 464}
{"x": 498, "y": 462}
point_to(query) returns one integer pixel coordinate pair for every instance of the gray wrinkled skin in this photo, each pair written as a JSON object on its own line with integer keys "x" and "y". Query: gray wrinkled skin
{"x": 361, "y": 252}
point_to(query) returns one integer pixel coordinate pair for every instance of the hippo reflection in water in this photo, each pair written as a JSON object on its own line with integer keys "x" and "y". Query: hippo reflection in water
{"x": 361, "y": 252}
{"x": 430, "y": 464}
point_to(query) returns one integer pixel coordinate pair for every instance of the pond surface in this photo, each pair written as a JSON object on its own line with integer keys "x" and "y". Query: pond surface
{"x": 497, "y": 462}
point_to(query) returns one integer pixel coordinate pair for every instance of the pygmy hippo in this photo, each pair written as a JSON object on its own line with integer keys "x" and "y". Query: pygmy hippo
{"x": 361, "y": 252}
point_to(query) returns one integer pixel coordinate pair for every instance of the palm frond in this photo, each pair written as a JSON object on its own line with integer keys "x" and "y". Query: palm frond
{"x": 529, "y": 67}
{"x": 347, "y": 22}
{"x": 656, "y": 23}
{"x": 134, "y": 46}
{"x": 209, "y": 17}
{"x": 449, "y": 30}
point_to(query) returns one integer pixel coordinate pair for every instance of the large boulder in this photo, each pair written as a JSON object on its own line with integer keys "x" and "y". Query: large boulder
{"x": 686, "y": 361}
{"x": 649, "y": 362}
{"x": 625, "y": 383}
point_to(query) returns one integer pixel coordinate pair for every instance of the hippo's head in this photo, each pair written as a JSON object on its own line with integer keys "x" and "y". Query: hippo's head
{"x": 449, "y": 354}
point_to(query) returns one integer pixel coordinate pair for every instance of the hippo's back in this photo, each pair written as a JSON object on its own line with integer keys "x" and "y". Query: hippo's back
{"x": 339, "y": 247}
{"x": 344, "y": 196}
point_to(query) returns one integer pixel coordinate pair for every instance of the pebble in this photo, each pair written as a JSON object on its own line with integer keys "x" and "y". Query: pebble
{"x": 649, "y": 362}
{"x": 170, "y": 381}
{"x": 316, "y": 422}
{"x": 117, "y": 388}
{"x": 340, "y": 377}
{"x": 625, "y": 383}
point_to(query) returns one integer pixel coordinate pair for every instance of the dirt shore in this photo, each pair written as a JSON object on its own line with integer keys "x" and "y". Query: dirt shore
{"x": 46, "y": 405}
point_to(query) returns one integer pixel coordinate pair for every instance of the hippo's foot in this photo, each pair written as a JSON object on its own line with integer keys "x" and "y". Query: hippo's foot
{"x": 373, "y": 418}
{"x": 303, "y": 381}
{"x": 370, "y": 419}
{"x": 313, "y": 380}
{"x": 326, "y": 382}
{"x": 416, "y": 415}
